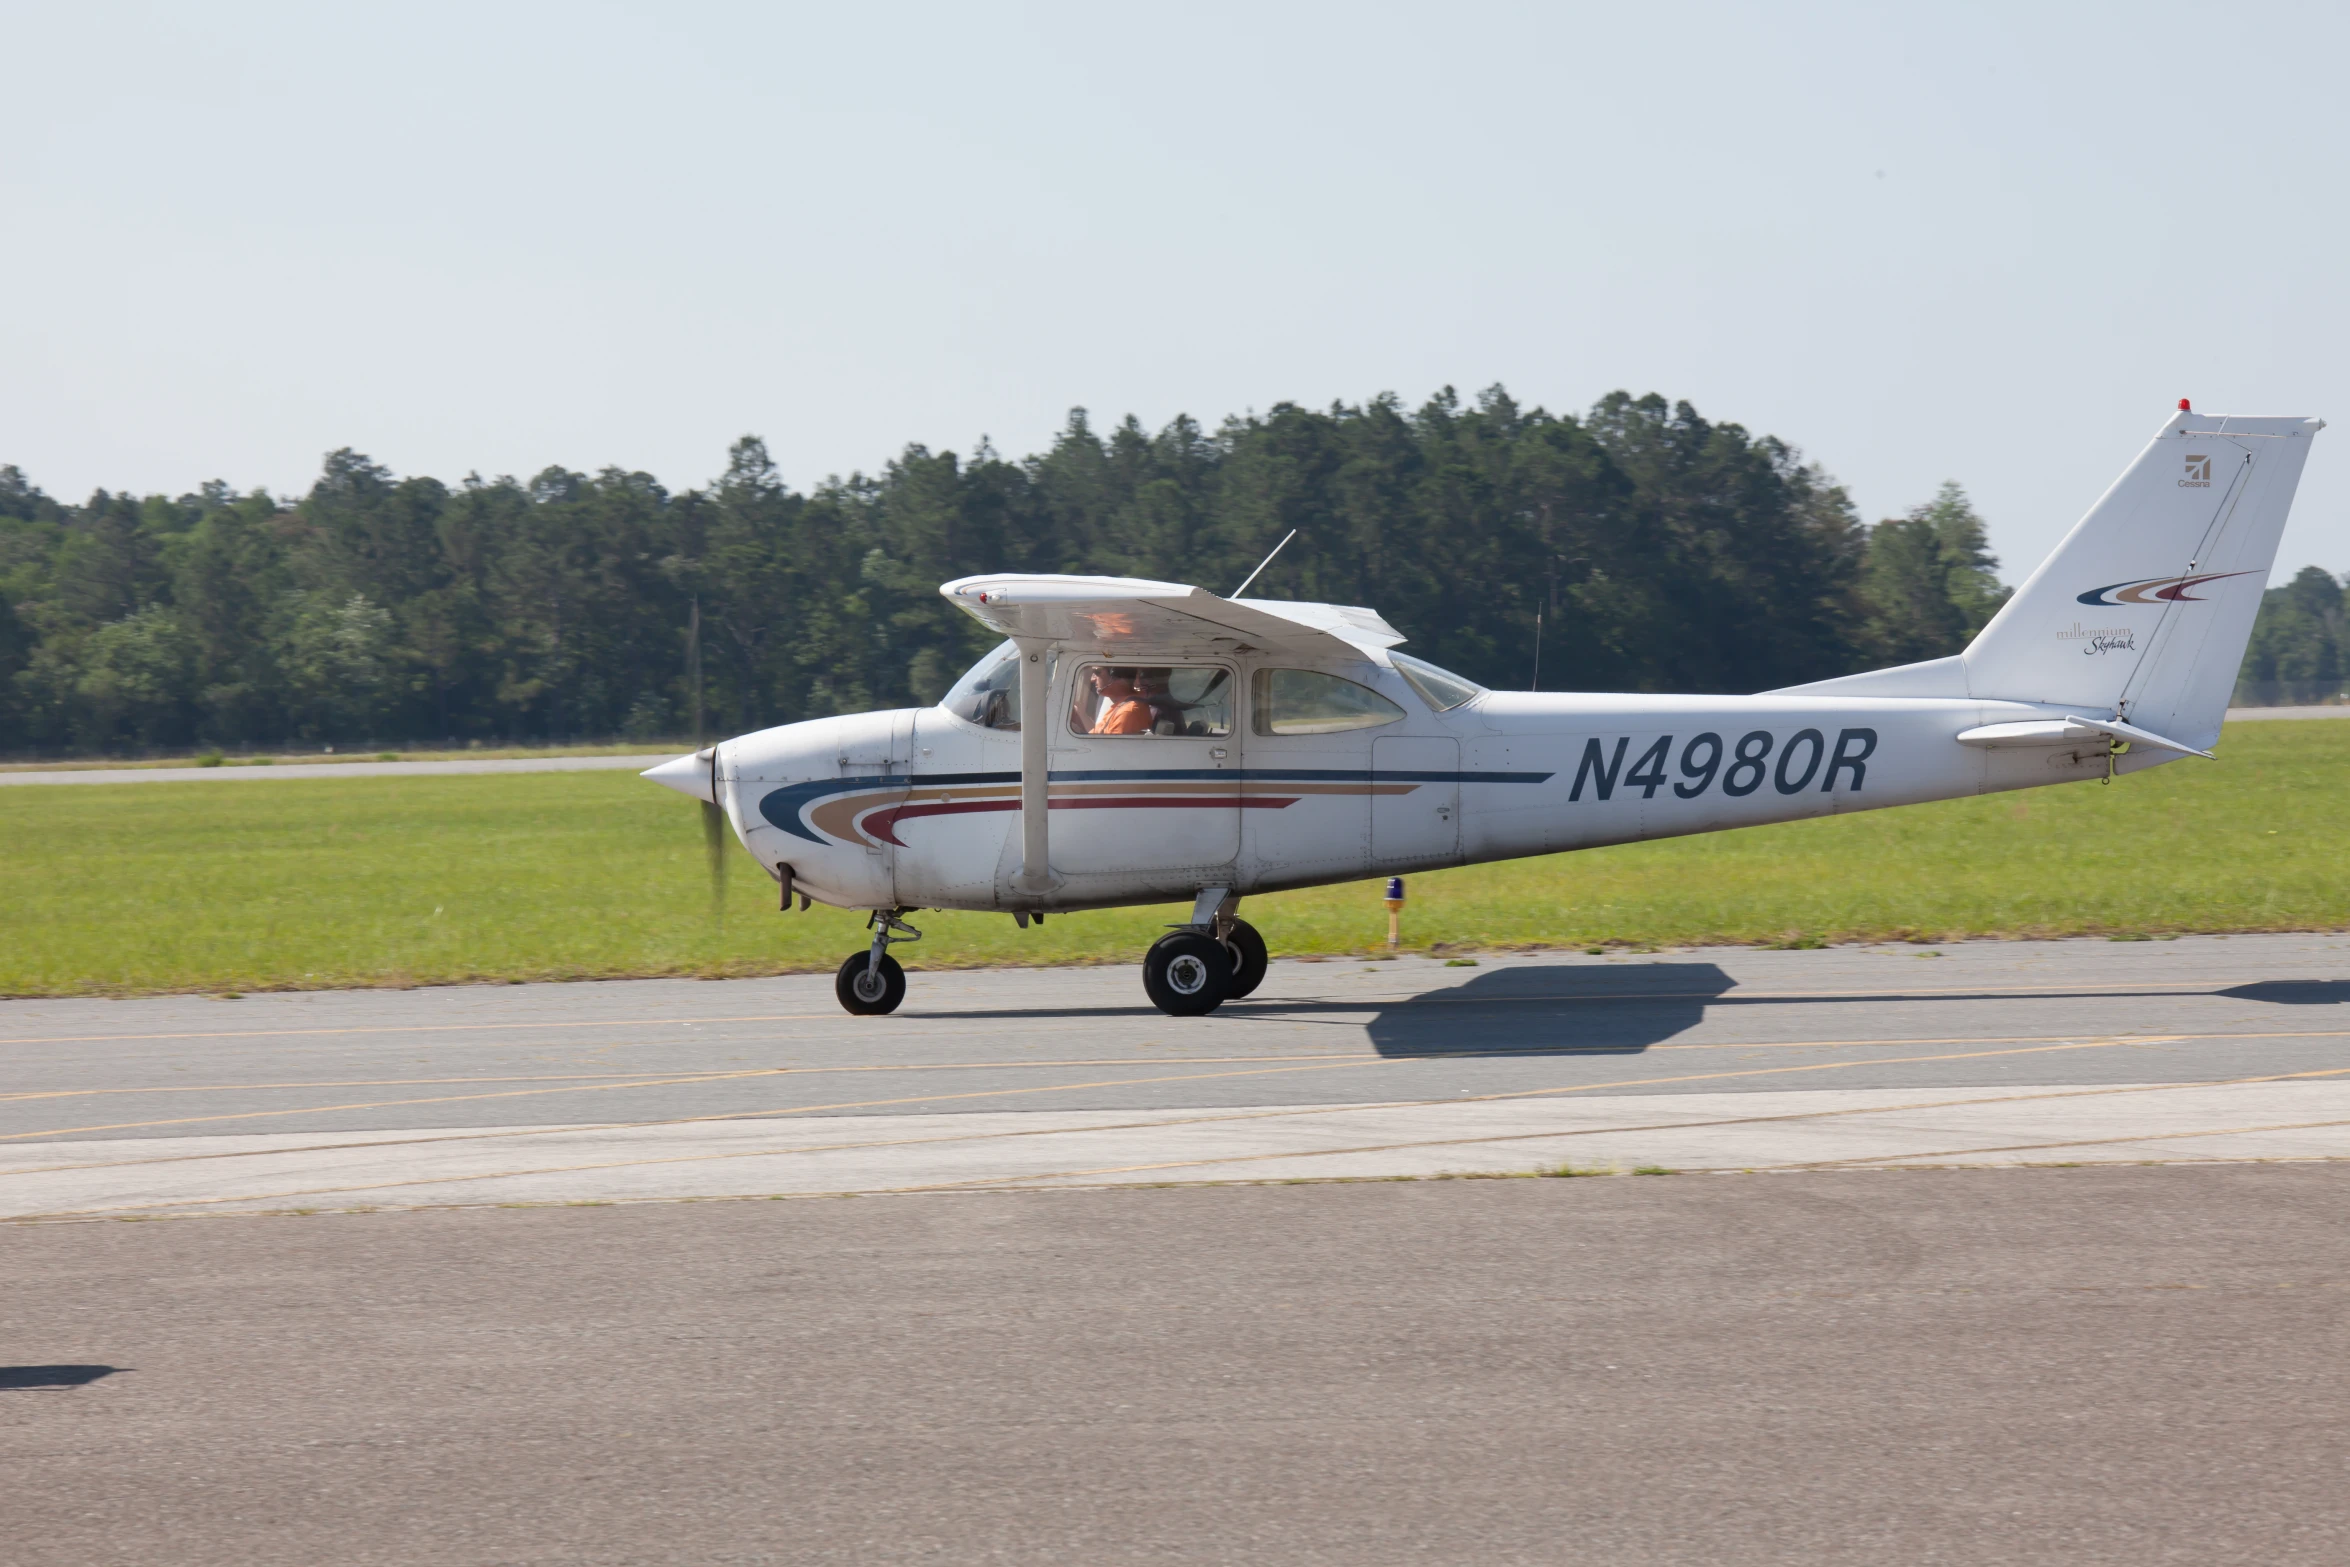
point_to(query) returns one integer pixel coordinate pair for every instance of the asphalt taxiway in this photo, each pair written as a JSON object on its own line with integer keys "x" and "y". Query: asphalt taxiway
{"x": 2099, "y": 1367}
{"x": 2203, "y": 1048}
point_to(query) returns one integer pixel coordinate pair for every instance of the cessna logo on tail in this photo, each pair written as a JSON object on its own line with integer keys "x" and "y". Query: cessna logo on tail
{"x": 2157, "y": 590}
{"x": 2198, "y": 473}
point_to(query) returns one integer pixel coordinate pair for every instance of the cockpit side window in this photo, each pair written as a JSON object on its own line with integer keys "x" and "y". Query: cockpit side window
{"x": 1308, "y": 702}
{"x": 989, "y": 695}
{"x": 1151, "y": 699}
{"x": 1441, "y": 689}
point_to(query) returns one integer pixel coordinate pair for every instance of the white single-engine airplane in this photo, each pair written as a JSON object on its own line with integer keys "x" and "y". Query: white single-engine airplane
{"x": 1144, "y": 742}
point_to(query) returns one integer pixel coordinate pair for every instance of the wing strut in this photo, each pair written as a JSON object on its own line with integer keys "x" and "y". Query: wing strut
{"x": 1036, "y": 685}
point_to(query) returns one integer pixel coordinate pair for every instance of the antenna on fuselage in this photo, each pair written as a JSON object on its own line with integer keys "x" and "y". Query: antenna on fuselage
{"x": 1261, "y": 565}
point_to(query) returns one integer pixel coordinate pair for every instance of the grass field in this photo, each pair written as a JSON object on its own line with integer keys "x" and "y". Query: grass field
{"x": 122, "y": 888}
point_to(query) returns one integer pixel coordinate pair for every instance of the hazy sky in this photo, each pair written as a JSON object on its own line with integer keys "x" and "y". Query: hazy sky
{"x": 1993, "y": 243}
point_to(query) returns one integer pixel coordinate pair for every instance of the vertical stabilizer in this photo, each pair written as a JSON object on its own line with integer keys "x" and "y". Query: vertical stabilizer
{"x": 2145, "y": 609}
{"x": 2143, "y": 612}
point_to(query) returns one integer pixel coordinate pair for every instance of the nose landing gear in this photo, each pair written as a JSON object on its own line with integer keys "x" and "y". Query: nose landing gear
{"x": 871, "y": 983}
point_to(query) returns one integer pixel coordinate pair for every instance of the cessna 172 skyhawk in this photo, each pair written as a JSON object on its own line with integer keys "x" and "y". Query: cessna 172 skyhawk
{"x": 1142, "y": 742}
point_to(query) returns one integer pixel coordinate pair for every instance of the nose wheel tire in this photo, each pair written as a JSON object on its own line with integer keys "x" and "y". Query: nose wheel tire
{"x": 1247, "y": 950}
{"x": 1187, "y": 974}
{"x": 870, "y": 989}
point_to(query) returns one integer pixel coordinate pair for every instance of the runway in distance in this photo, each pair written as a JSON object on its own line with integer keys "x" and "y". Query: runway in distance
{"x": 1140, "y": 742}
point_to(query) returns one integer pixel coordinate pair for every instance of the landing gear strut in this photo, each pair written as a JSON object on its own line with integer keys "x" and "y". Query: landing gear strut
{"x": 1196, "y": 968}
{"x": 870, "y": 983}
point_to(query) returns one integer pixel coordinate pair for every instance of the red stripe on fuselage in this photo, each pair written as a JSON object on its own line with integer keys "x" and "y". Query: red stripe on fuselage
{"x": 882, "y": 824}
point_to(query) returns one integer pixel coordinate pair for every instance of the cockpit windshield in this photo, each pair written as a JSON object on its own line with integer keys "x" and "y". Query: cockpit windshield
{"x": 1441, "y": 689}
{"x": 989, "y": 694}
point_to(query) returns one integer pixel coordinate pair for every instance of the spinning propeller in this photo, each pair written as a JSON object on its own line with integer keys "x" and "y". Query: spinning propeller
{"x": 714, "y": 841}
{"x": 697, "y": 775}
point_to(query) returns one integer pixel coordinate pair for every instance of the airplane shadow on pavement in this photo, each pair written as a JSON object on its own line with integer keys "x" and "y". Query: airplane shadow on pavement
{"x": 2294, "y": 992}
{"x": 1552, "y": 1011}
{"x": 17, "y": 1378}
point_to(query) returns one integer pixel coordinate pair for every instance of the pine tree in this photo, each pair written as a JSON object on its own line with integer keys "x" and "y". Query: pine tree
{"x": 1928, "y": 580}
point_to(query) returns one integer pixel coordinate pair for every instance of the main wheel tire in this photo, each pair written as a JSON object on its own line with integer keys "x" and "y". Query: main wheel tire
{"x": 1187, "y": 974}
{"x": 1249, "y": 958}
{"x": 870, "y": 991}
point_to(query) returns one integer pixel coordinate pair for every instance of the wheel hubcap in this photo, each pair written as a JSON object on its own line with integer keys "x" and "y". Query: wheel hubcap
{"x": 1187, "y": 976}
{"x": 868, "y": 985}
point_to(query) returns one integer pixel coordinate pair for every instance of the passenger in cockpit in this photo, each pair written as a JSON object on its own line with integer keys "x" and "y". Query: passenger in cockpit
{"x": 1152, "y": 689}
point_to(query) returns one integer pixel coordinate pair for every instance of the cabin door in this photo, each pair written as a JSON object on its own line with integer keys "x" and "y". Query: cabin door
{"x": 1146, "y": 769}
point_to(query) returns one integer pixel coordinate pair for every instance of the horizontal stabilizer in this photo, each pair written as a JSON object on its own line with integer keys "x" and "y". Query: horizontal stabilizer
{"x": 2070, "y": 731}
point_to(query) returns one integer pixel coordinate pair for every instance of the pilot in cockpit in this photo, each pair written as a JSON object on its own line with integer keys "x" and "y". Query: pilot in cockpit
{"x": 1122, "y": 709}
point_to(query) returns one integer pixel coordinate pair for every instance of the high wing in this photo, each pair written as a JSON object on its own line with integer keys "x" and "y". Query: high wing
{"x": 1122, "y": 616}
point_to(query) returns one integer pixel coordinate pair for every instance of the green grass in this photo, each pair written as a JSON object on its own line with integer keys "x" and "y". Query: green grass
{"x": 123, "y": 888}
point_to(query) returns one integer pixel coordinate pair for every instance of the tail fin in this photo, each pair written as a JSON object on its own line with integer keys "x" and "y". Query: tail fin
{"x": 2144, "y": 610}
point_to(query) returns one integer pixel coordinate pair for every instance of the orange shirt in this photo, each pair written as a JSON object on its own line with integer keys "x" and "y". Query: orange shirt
{"x": 1130, "y": 717}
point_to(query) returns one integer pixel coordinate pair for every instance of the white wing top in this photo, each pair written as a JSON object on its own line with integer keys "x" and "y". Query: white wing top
{"x": 1132, "y": 616}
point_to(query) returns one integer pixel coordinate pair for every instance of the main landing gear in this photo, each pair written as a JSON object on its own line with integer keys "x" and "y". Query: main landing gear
{"x": 1196, "y": 968}
{"x": 1188, "y": 972}
{"x": 870, "y": 983}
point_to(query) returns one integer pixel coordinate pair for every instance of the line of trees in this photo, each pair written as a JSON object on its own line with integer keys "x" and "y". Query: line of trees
{"x": 1664, "y": 552}
{"x": 2297, "y": 652}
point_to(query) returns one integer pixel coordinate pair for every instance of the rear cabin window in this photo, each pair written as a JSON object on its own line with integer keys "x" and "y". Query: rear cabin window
{"x": 1142, "y": 700}
{"x": 1307, "y": 702}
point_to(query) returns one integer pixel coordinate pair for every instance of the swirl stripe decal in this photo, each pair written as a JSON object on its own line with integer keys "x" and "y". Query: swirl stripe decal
{"x": 2152, "y": 590}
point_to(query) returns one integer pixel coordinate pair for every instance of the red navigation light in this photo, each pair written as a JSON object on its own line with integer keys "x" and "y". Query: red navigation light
{"x": 2183, "y": 408}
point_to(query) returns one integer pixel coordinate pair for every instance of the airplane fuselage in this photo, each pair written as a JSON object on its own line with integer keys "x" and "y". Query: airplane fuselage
{"x": 920, "y": 807}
